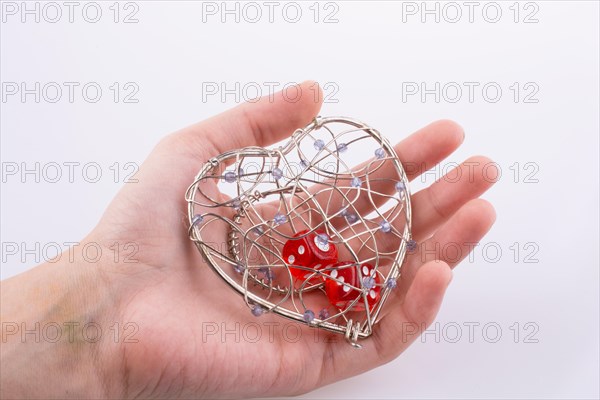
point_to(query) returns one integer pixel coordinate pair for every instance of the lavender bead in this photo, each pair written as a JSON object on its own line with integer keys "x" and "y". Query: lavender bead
{"x": 197, "y": 219}
{"x": 239, "y": 268}
{"x": 351, "y": 218}
{"x": 277, "y": 173}
{"x": 229, "y": 177}
{"x": 368, "y": 282}
{"x": 280, "y": 219}
{"x": 257, "y": 310}
{"x": 309, "y": 315}
{"x": 380, "y": 153}
{"x": 391, "y": 284}
{"x": 355, "y": 182}
{"x": 385, "y": 226}
{"x": 319, "y": 144}
{"x": 267, "y": 273}
{"x": 411, "y": 245}
{"x": 323, "y": 314}
{"x": 322, "y": 242}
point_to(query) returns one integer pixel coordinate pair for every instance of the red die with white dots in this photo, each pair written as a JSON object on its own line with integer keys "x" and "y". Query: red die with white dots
{"x": 347, "y": 284}
{"x": 312, "y": 250}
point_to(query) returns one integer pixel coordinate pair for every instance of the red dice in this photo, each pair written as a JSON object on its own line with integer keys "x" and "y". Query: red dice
{"x": 311, "y": 250}
{"x": 347, "y": 284}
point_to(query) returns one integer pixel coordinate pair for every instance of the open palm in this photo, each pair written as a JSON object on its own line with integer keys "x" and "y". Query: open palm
{"x": 182, "y": 307}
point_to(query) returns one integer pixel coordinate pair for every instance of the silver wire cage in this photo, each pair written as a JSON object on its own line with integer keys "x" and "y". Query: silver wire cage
{"x": 258, "y": 199}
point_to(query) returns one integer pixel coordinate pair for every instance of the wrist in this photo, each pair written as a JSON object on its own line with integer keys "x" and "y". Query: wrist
{"x": 56, "y": 321}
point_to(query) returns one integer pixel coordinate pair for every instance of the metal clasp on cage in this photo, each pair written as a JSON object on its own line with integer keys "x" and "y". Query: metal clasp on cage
{"x": 352, "y": 332}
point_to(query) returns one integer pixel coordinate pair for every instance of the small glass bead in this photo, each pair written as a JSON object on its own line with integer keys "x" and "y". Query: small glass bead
{"x": 309, "y": 315}
{"x": 236, "y": 204}
{"x": 368, "y": 282}
{"x": 380, "y": 153}
{"x": 342, "y": 147}
{"x": 322, "y": 242}
{"x": 267, "y": 272}
{"x": 319, "y": 144}
{"x": 351, "y": 218}
{"x": 355, "y": 182}
{"x": 304, "y": 163}
{"x": 280, "y": 219}
{"x": 229, "y": 177}
{"x": 258, "y": 230}
{"x": 270, "y": 275}
{"x": 400, "y": 187}
{"x": 257, "y": 310}
{"x": 385, "y": 226}
{"x": 277, "y": 173}
{"x": 240, "y": 171}
{"x": 197, "y": 219}
{"x": 323, "y": 314}
{"x": 239, "y": 268}
{"x": 411, "y": 245}
{"x": 391, "y": 284}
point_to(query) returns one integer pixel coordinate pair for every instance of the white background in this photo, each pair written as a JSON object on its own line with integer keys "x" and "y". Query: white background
{"x": 372, "y": 52}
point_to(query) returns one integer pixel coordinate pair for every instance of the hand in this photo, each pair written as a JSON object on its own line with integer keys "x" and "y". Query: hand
{"x": 170, "y": 293}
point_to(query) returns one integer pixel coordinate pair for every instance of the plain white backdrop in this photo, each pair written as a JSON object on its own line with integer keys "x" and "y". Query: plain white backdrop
{"x": 521, "y": 78}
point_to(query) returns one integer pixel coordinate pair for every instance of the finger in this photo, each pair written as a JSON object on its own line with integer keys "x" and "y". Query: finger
{"x": 428, "y": 146}
{"x": 453, "y": 241}
{"x": 419, "y": 309}
{"x": 259, "y": 123}
{"x": 425, "y": 148}
{"x": 432, "y": 206}
{"x": 178, "y": 157}
{"x": 418, "y": 153}
{"x": 396, "y": 331}
{"x": 426, "y": 293}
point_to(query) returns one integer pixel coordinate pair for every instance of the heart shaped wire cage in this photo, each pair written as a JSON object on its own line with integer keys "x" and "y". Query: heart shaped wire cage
{"x": 337, "y": 182}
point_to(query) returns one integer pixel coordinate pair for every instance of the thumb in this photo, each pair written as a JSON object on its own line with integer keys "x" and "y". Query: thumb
{"x": 259, "y": 122}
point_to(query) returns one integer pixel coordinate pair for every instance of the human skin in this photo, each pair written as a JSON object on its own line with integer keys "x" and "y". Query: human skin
{"x": 169, "y": 291}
